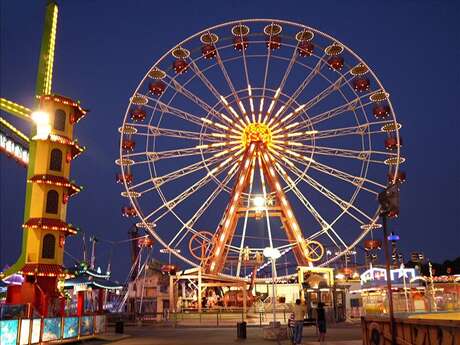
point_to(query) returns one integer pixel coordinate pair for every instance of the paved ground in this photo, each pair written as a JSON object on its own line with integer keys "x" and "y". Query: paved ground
{"x": 343, "y": 335}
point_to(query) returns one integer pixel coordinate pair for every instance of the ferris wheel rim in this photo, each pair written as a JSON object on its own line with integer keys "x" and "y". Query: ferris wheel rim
{"x": 134, "y": 201}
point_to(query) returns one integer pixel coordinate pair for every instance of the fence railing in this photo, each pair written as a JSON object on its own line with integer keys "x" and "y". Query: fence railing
{"x": 207, "y": 317}
{"x": 218, "y": 317}
{"x": 215, "y": 317}
{"x": 25, "y": 331}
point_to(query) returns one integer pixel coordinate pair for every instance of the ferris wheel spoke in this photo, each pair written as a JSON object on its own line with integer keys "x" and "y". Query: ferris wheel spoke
{"x": 349, "y": 106}
{"x": 342, "y": 204}
{"x": 172, "y": 203}
{"x": 158, "y": 182}
{"x": 283, "y": 82}
{"x": 342, "y": 80}
{"x": 245, "y": 62}
{"x": 230, "y": 110}
{"x": 176, "y": 133}
{"x": 159, "y": 155}
{"x": 211, "y": 88}
{"x": 220, "y": 62}
{"x": 152, "y": 131}
{"x": 333, "y": 232}
{"x": 169, "y": 205}
{"x": 206, "y": 163}
{"x": 264, "y": 190}
{"x": 332, "y": 235}
{"x": 185, "y": 116}
{"x": 154, "y": 156}
{"x": 357, "y": 181}
{"x": 230, "y": 173}
{"x": 246, "y": 216}
{"x": 325, "y": 226}
{"x": 188, "y": 226}
{"x": 192, "y": 97}
{"x": 194, "y": 67}
{"x": 364, "y": 129}
{"x": 289, "y": 67}
{"x": 191, "y": 151}
{"x": 335, "y": 86}
{"x": 179, "y": 173}
{"x": 344, "y": 176}
{"x": 267, "y": 64}
{"x": 313, "y": 73}
{"x": 363, "y": 155}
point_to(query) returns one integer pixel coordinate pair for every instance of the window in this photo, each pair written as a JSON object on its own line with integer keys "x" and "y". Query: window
{"x": 56, "y": 160}
{"x": 59, "y": 120}
{"x": 49, "y": 241}
{"x": 52, "y": 201}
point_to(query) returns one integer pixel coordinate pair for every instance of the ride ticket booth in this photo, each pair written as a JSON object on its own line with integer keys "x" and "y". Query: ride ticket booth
{"x": 317, "y": 284}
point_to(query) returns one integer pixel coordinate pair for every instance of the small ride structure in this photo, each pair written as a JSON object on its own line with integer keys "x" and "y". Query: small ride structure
{"x": 51, "y": 148}
{"x": 141, "y": 258}
{"x": 280, "y": 125}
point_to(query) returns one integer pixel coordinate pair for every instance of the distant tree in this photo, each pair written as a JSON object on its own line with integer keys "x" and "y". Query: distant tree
{"x": 448, "y": 267}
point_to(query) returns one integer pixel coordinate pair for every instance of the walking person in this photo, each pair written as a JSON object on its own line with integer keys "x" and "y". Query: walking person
{"x": 299, "y": 315}
{"x": 321, "y": 322}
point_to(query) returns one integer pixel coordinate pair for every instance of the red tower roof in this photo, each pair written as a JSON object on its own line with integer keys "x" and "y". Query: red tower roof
{"x": 79, "y": 111}
{"x": 75, "y": 148}
{"x": 56, "y": 181}
{"x": 49, "y": 270}
{"x": 51, "y": 224}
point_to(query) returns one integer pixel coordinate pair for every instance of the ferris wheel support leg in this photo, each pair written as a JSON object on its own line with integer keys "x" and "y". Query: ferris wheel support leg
{"x": 226, "y": 229}
{"x": 288, "y": 219}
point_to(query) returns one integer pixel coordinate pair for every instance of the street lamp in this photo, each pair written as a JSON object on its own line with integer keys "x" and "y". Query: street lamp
{"x": 273, "y": 254}
{"x": 42, "y": 121}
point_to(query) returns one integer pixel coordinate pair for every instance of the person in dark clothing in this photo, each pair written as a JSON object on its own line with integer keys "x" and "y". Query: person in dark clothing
{"x": 321, "y": 322}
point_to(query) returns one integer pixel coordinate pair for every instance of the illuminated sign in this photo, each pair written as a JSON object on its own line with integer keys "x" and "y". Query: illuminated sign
{"x": 401, "y": 273}
{"x": 14, "y": 149}
{"x": 374, "y": 276}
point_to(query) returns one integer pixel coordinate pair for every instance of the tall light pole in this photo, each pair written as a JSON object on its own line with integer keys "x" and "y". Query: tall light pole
{"x": 389, "y": 207}
{"x": 273, "y": 254}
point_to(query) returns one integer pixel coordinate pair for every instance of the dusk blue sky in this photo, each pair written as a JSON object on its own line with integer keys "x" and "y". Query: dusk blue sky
{"x": 105, "y": 47}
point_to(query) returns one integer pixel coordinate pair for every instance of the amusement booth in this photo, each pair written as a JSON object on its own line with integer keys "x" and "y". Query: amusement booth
{"x": 318, "y": 285}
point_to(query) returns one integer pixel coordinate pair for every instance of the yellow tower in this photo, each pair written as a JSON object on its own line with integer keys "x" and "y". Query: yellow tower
{"x": 46, "y": 201}
{"x": 48, "y": 191}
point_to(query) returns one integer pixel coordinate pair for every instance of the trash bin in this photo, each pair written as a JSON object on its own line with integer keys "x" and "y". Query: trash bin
{"x": 241, "y": 330}
{"x": 119, "y": 327}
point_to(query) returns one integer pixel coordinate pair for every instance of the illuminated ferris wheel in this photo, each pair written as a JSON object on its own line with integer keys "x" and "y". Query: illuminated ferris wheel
{"x": 258, "y": 134}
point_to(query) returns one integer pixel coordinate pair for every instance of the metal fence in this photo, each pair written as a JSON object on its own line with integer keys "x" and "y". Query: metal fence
{"x": 222, "y": 317}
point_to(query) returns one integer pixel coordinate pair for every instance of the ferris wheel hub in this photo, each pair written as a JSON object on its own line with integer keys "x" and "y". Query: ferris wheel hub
{"x": 256, "y": 132}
